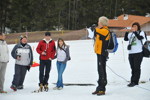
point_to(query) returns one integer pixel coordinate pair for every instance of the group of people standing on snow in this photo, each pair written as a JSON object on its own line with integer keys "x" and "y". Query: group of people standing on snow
{"x": 23, "y": 55}
{"x": 134, "y": 36}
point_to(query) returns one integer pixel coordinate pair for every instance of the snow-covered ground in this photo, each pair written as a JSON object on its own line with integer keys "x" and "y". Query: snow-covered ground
{"x": 82, "y": 69}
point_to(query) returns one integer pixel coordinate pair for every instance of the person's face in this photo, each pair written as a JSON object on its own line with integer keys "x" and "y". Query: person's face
{"x": 3, "y": 37}
{"x": 24, "y": 40}
{"x": 99, "y": 24}
{"x": 47, "y": 37}
{"x": 134, "y": 28}
{"x": 60, "y": 43}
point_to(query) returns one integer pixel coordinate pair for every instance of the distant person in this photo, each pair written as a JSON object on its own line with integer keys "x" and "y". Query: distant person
{"x": 63, "y": 56}
{"x": 46, "y": 48}
{"x": 101, "y": 42}
{"x": 135, "y": 38}
{"x": 23, "y": 55}
{"x": 4, "y": 59}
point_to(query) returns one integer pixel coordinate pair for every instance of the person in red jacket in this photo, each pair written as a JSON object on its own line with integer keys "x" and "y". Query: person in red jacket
{"x": 46, "y": 48}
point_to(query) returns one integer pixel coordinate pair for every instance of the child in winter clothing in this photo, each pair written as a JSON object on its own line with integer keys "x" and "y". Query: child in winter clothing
{"x": 46, "y": 48}
{"x": 63, "y": 56}
{"x": 4, "y": 59}
{"x": 23, "y": 55}
{"x": 135, "y": 38}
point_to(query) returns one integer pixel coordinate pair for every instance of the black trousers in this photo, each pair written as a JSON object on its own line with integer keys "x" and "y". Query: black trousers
{"x": 19, "y": 76}
{"x": 135, "y": 61}
{"x": 44, "y": 69}
{"x": 102, "y": 81}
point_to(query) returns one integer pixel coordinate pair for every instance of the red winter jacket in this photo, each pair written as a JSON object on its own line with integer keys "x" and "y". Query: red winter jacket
{"x": 48, "y": 47}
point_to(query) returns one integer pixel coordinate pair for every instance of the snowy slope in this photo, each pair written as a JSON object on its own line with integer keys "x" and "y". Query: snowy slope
{"x": 82, "y": 69}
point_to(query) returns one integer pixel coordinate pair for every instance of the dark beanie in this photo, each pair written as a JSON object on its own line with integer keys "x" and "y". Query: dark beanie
{"x": 47, "y": 34}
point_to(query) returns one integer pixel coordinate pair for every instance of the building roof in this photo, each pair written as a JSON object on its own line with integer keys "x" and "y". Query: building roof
{"x": 128, "y": 20}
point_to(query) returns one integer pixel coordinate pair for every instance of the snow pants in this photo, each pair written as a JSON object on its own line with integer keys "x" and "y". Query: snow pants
{"x": 101, "y": 64}
{"x": 135, "y": 61}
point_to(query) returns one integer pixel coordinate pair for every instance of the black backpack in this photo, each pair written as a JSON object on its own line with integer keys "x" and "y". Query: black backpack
{"x": 146, "y": 47}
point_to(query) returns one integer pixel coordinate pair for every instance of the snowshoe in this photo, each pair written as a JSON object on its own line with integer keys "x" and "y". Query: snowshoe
{"x": 36, "y": 91}
{"x": 39, "y": 90}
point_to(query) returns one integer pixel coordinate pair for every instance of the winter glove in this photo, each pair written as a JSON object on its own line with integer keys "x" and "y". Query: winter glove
{"x": 28, "y": 68}
{"x": 93, "y": 27}
{"x": 126, "y": 36}
{"x": 138, "y": 35}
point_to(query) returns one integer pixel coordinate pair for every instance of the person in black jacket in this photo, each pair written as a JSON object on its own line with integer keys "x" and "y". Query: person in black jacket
{"x": 23, "y": 55}
{"x": 135, "y": 38}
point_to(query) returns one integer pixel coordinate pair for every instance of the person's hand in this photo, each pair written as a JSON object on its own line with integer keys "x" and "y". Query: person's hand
{"x": 18, "y": 58}
{"x": 50, "y": 58}
{"x": 43, "y": 53}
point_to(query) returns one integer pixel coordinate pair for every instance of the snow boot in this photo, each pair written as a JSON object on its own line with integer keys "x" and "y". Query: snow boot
{"x": 132, "y": 84}
{"x": 13, "y": 87}
{"x": 3, "y": 92}
{"x": 100, "y": 93}
{"x": 95, "y": 92}
{"x": 46, "y": 87}
{"x": 55, "y": 88}
{"x": 41, "y": 87}
{"x": 20, "y": 87}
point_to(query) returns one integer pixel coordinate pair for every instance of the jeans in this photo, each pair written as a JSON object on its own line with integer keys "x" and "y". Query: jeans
{"x": 60, "y": 68}
{"x": 45, "y": 67}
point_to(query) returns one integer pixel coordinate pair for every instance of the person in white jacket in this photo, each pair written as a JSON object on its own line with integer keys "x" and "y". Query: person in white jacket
{"x": 4, "y": 59}
{"x": 135, "y": 38}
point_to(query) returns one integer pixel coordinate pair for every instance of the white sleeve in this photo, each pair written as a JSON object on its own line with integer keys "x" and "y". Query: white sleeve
{"x": 129, "y": 35}
{"x": 144, "y": 37}
{"x": 91, "y": 33}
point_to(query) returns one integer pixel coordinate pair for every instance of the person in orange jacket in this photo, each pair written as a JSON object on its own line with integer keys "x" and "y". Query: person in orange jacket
{"x": 100, "y": 47}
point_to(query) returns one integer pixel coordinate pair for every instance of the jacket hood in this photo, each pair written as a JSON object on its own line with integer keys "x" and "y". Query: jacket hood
{"x": 47, "y": 41}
